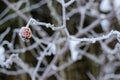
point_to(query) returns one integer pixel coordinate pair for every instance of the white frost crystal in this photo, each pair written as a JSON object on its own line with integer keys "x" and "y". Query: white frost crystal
{"x": 105, "y": 6}
{"x": 118, "y": 38}
{"x": 117, "y": 9}
{"x": 105, "y": 24}
{"x": 73, "y": 48}
{"x": 94, "y": 12}
{"x": 116, "y": 4}
{"x": 52, "y": 49}
{"x": 2, "y": 52}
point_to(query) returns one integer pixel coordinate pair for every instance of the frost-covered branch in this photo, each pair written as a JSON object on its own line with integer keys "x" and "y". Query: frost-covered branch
{"x": 93, "y": 40}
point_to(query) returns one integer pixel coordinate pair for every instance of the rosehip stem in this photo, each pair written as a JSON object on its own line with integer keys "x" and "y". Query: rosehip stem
{"x": 29, "y": 22}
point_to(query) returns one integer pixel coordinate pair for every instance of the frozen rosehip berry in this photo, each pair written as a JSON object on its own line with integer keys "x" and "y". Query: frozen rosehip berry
{"x": 25, "y": 33}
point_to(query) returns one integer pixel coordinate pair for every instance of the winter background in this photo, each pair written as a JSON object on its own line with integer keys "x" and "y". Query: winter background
{"x": 70, "y": 40}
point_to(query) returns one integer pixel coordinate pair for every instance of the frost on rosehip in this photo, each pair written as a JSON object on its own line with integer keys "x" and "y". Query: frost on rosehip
{"x": 25, "y": 33}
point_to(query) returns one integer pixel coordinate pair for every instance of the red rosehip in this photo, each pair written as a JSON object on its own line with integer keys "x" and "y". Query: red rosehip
{"x": 25, "y": 33}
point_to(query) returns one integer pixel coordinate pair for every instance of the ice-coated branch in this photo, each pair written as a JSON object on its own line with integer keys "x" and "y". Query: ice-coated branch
{"x": 48, "y": 25}
{"x": 93, "y": 40}
{"x": 7, "y": 72}
{"x": 64, "y": 17}
{"x": 53, "y": 12}
{"x": 69, "y": 3}
{"x": 4, "y": 34}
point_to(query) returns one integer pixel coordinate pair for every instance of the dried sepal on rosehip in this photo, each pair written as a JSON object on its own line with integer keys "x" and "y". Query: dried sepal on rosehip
{"x": 25, "y": 33}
